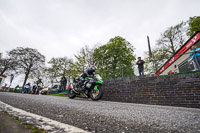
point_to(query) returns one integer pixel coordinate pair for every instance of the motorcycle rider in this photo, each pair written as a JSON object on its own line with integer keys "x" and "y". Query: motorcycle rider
{"x": 38, "y": 86}
{"x": 39, "y": 82}
{"x": 26, "y": 88}
{"x": 17, "y": 88}
{"x": 88, "y": 73}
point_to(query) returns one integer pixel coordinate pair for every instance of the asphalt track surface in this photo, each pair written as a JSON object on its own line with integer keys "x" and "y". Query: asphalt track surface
{"x": 108, "y": 117}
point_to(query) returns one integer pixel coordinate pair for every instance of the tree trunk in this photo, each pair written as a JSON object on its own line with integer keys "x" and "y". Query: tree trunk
{"x": 172, "y": 47}
{"x": 27, "y": 74}
{"x": 25, "y": 79}
{"x": 3, "y": 71}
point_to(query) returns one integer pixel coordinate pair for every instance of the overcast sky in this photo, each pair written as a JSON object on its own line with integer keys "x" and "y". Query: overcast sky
{"x": 60, "y": 28}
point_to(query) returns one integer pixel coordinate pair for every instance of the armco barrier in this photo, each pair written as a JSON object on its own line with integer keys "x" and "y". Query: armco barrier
{"x": 58, "y": 91}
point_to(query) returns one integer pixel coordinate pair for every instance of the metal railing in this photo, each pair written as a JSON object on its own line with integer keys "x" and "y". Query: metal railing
{"x": 195, "y": 60}
{"x": 127, "y": 71}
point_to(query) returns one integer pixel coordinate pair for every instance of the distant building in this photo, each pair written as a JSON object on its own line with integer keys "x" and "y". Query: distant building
{"x": 181, "y": 63}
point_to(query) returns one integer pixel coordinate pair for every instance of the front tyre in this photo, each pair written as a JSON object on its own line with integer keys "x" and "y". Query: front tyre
{"x": 71, "y": 94}
{"x": 96, "y": 95}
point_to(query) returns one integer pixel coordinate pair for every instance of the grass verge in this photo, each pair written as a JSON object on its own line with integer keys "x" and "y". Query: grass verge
{"x": 28, "y": 126}
{"x": 59, "y": 94}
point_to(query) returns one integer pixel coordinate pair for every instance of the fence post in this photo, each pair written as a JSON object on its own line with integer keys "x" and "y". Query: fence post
{"x": 122, "y": 71}
{"x": 196, "y": 61}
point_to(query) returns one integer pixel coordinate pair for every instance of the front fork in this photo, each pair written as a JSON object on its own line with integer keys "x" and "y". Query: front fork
{"x": 96, "y": 87}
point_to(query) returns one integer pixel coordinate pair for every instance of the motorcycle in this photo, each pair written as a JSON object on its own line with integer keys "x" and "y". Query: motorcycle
{"x": 44, "y": 91}
{"x": 36, "y": 89}
{"x": 91, "y": 88}
{"x": 17, "y": 90}
{"x": 26, "y": 89}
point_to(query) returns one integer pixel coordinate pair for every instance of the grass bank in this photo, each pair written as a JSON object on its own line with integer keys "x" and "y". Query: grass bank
{"x": 59, "y": 94}
{"x": 26, "y": 125}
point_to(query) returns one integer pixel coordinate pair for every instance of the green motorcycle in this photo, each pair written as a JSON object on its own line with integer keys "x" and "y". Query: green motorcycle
{"x": 17, "y": 90}
{"x": 92, "y": 88}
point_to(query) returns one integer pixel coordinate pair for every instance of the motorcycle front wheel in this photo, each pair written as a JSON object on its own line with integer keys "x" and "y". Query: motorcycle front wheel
{"x": 96, "y": 94}
{"x": 71, "y": 93}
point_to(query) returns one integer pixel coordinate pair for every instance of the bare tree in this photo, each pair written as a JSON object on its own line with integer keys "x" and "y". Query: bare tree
{"x": 28, "y": 60}
{"x": 7, "y": 64}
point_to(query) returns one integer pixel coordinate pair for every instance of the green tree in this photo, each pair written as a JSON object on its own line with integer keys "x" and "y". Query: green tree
{"x": 61, "y": 66}
{"x": 159, "y": 57}
{"x": 173, "y": 38}
{"x": 28, "y": 60}
{"x": 194, "y": 25}
{"x": 41, "y": 73}
{"x": 117, "y": 53}
{"x": 52, "y": 75}
{"x": 84, "y": 59}
{"x": 55, "y": 71}
{"x": 167, "y": 45}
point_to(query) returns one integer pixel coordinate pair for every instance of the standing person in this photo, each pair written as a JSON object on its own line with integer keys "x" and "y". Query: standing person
{"x": 140, "y": 64}
{"x": 63, "y": 83}
{"x": 195, "y": 52}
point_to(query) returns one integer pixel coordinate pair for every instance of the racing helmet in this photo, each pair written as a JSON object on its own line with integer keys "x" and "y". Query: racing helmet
{"x": 93, "y": 68}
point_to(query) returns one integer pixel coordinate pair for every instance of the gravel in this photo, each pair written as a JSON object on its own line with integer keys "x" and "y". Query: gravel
{"x": 109, "y": 117}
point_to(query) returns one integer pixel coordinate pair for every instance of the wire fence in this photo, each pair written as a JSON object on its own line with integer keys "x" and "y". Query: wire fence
{"x": 127, "y": 71}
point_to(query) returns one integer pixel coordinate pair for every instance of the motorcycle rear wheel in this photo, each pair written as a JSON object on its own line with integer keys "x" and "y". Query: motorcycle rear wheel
{"x": 71, "y": 93}
{"x": 96, "y": 95}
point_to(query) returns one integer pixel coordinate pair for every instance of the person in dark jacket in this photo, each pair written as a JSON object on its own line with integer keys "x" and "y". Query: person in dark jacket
{"x": 39, "y": 82}
{"x": 63, "y": 83}
{"x": 140, "y": 64}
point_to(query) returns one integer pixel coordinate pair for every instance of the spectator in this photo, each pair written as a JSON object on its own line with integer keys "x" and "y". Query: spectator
{"x": 63, "y": 83}
{"x": 140, "y": 64}
{"x": 195, "y": 52}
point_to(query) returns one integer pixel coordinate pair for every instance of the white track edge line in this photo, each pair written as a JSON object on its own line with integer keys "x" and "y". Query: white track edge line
{"x": 40, "y": 119}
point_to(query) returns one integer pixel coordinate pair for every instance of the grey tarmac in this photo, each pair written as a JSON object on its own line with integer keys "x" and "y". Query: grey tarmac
{"x": 108, "y": 117}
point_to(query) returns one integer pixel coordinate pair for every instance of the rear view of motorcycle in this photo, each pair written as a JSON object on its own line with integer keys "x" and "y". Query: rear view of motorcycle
{"x": 36, "y": 89}
{"x": 92, "y": 88}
